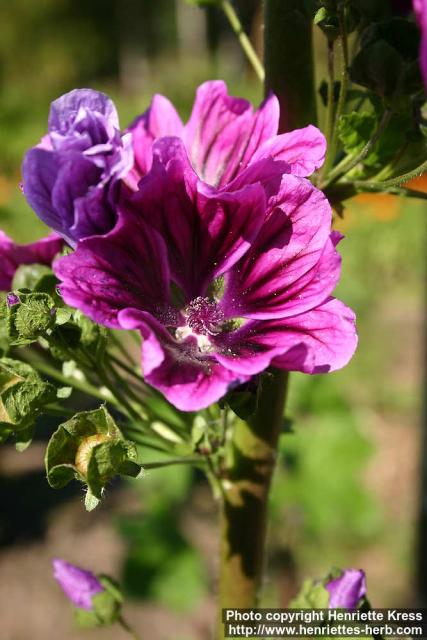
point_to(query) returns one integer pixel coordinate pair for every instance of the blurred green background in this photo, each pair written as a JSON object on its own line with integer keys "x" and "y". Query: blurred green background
{"x": 346, "y": 490}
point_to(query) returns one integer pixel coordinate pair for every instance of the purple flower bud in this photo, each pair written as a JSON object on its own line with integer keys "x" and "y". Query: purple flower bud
{"x": 347, "y": 591}
{"x": 78, "y": 584}
{"x": 12, "y": 299}
{"x": 72, "y": 178}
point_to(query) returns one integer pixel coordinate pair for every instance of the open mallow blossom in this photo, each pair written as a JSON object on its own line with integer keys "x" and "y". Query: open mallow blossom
{"x": 347, "y": 591}
{"x": 72, "y": 178}
{"x": 224, "y": 135}
{"x": 79, "y": 585}
{"x": 13, "y": 255}
{"x": 220, "y": 284}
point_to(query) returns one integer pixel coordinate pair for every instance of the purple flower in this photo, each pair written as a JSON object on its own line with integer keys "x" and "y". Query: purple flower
{"x": 221, "y": 284}
{"x": 72, "y": 178}
{"x": 347, "y": 591}
{"x": 78, "y": 584}
{"x": 420, "y": 8}
{"x": 12, "y": 255}
{"x": 224, "y": 135}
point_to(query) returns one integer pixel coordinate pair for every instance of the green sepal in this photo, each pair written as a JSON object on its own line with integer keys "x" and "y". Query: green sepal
{"x": 106, "y": 605}
{"x": 313, "y": 595}
{"x": 90, "y": 448}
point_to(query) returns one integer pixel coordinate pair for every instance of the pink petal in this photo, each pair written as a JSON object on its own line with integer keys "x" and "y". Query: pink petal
{"x": 13, "y": 255}
{"x": 206, "y": 231}
{"x": 289, "y": 246}
{"x": 321, "y": 340}
{"x": 304, "y": 150}
{"x": 223, "y": 132}
{"x": 160, "y": 119}
{"x": 125, "y": 268}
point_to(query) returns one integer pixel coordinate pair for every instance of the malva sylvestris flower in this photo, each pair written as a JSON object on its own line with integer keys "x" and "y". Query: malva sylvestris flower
{"x": 346, "y": 591}
{"x": 13, "y": 255}
{"x": 420, "y": 8}
{"x": 72, "y": 178}
{"x": 224, "y": 135}
{"x": 220, "y": 283}
{"x": 79, "y": 585}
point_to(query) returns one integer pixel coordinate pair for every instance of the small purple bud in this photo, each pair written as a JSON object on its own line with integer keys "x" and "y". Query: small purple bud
{"x": 12, "y": 299}
{"x": 78, "y": 584}
{"x": 347, "y": 591}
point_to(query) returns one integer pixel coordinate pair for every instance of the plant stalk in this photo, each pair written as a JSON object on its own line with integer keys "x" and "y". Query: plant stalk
{"x": 289, "y": 61}
{"x": 244, "y": 40}
{"x": 245, "y": 497}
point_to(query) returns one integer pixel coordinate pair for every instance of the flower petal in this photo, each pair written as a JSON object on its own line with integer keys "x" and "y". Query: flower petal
{"x": 12, "y": 255}
{"x": 188, "y": 379}
{"x": 304, "y": 150}
{"x": 206, "y": 231}
{"x": 65, "y": 109}
{"x": 289, "y": 245}
{"x": 223, "y": 132}
{"x": 160, "y": 119}
{"x": 125, "y": 268}
{"x": 321, "y": 340}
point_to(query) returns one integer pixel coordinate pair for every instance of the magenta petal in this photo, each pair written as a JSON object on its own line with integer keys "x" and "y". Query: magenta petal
{"x": 321, "y": 340}
{"x": 346, "y": 591}
{"x": 223, "y": 132}
{"x": 206, "y": 231}
{"x": 189, "y": 380}
{"x": 288, "y": 246}
{"x": 79, "y": 585}
{"x": 160, "y": 119}
{"x": 303, "y": 149}
{"x": 126, "y": 268}
{"x": 327, "y": 334}
{"x": 13, "y": 255}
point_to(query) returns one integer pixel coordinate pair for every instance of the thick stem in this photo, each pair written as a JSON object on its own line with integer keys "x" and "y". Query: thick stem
{"x": 245, "y": 500}
{"x": 289, "y": 61}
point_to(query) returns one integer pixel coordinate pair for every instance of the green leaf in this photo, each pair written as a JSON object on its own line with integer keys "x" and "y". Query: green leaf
{"x": 32, "y": 317}
{"x": 355, "y": 130}
{"x": 23, "y": 394}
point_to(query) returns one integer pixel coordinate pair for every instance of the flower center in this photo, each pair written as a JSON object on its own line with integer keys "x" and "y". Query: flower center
{"x": 203, "y": 319}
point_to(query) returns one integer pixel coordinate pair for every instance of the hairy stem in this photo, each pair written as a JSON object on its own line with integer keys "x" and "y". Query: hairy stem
{"x": 246, "y": 489}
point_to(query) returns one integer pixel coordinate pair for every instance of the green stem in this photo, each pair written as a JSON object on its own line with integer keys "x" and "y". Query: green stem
{"x": 405, "y": 177}
{"x": 126, "y": 626}
{"x": 246, "y": 489}
{"x": 289, "y": 61}
{"x": 378, "y": 187}
{"x": 330, "y": 110}
{"x": 245, "y": 43}
{"x": 174, "y": 461}
{"x": 84, "y": 387}
{"x": 332, "y": 150}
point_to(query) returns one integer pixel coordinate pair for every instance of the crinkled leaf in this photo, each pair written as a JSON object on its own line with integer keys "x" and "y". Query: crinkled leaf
{"x": 23, "y": 394}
